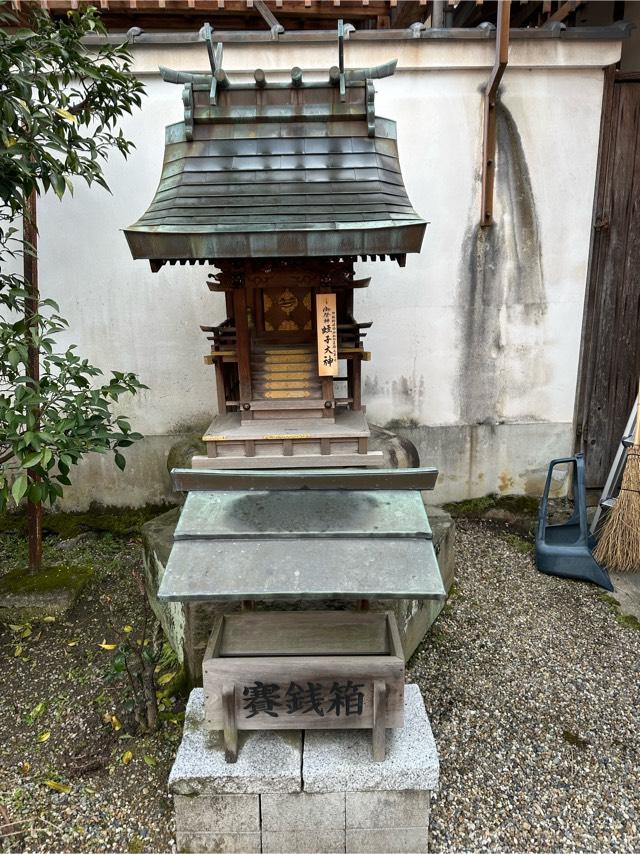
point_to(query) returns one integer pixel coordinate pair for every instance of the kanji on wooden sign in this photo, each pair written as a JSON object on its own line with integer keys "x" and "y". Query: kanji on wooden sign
{"x": 327, "y": 329}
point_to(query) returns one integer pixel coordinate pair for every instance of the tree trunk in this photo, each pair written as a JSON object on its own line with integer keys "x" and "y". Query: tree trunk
{"x": 151, "y": 701}
{"x": 30, "y": 233}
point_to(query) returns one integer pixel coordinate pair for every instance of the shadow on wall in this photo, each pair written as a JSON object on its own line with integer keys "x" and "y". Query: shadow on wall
{"x": 502, "y": 293}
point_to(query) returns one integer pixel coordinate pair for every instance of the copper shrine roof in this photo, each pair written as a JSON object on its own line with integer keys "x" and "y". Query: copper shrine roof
{"x": 265, "y": 169}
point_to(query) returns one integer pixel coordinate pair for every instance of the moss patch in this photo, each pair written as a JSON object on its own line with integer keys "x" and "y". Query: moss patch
{"x": 472, "y": 506}
{"x": 401, "y": 424}
{"x": 60, "y": 576}
{"x": 54, "y": 590}
{"x": 520, "y": 544}
{"x": 521, "y": 505}
{"x": 628, "y": 620}
{"x": 119, "y": 522}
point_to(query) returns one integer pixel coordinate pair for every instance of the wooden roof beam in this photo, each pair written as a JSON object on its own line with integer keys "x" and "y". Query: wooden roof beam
{"x": 564, "y": 11}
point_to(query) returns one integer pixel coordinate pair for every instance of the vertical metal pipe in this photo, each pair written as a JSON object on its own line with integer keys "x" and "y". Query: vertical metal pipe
{"x": 490, "y": 100}
{"x": 437, "y": 14}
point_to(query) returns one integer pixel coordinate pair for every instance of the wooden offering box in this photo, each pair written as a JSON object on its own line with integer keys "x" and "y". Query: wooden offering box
{"x": 304, "y": 670}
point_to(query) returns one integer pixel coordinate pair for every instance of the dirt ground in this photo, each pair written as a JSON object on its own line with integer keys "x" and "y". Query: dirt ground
{"x": 64, "y": 722}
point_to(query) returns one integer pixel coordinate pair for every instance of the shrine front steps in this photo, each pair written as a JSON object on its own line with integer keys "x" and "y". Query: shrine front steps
{"x": 317, "y": 793}
{"x": 296, "y": 443}
{"x": 286, "y": 373}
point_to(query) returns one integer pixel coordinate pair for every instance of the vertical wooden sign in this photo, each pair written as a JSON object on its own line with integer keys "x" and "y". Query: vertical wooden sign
{"x": 327, "y": 329}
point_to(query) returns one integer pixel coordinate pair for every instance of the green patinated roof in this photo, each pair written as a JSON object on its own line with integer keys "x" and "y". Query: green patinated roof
{"x": 278, "y": 170}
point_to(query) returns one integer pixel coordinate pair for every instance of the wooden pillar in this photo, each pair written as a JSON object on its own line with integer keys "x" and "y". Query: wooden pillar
{"x": 243, "y": 344}
{"x": 220, "y": 390}
{"x": 356, "y": 381}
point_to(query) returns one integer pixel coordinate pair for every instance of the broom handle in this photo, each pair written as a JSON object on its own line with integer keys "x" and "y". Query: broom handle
{"x": 636, "y": 435}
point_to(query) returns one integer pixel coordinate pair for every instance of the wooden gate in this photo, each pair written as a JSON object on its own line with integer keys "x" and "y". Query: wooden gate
{"x": 610, "y": 357}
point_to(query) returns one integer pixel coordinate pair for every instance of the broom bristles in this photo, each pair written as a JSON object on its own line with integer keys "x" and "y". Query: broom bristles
{"x": 619, "y": 545}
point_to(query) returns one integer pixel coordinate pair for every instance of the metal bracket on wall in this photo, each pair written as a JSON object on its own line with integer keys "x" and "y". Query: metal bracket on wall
{"x": 270, "y": 19}
{"x": 490, "y": 99}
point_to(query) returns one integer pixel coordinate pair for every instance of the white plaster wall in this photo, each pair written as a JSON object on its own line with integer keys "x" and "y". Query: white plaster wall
{"x": 125, "y": 317}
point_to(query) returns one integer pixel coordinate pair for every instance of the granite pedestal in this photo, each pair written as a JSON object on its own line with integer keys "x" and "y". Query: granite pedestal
{"x": 308, "y": 791}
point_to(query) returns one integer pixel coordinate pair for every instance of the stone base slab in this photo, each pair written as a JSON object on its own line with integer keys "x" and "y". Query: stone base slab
{"x": 188, "y": 624}
{"x": 318, "y": 793}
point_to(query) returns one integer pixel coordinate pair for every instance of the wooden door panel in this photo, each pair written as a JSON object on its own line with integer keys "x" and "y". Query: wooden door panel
{"x": 287, "y": 310}
{"x": 610, "y": 358}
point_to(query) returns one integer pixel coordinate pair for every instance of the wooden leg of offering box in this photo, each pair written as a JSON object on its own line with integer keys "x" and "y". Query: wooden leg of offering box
{"x": 379, "y": 719}
{"x": 230, "y": 725}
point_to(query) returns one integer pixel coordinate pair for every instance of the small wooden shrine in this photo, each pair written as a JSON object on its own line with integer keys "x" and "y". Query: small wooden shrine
{"x": 282, "y": 185}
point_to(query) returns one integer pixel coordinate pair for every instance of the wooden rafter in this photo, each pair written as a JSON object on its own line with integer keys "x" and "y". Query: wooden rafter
{"x": 565, "y": 10}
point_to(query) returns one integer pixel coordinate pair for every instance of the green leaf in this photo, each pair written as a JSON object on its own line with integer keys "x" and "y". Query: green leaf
{"x": 59, "y": 185}
{"x": 33, "y": 460}
{"x": 120, "y": 461}
{"x": 19, "y": 488}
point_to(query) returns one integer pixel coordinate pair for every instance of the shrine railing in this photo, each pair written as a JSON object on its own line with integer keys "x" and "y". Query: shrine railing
{"x": 223, "y": 335}
{"x": 350, "y": 334}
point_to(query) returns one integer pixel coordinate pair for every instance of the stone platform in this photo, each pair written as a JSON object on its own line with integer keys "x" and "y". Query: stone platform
{"x": 305, "y": 791}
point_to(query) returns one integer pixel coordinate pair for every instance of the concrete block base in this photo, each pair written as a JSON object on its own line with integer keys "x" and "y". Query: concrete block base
{"x": 323, "y": 793}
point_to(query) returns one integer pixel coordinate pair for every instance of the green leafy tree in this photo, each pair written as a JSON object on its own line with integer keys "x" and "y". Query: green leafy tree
{"x": 60, "y": 102}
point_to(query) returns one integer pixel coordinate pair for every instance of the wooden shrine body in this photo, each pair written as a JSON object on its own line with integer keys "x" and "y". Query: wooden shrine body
{"x": 290, "y": 325}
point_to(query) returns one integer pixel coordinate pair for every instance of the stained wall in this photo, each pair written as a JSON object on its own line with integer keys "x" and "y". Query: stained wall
{"x": 475, "y": 342}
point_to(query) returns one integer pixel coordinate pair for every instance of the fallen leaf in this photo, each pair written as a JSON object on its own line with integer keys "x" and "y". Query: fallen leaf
{"x": 18, "y": 650}
{"x": 44, "y": 736}
{"x": 127, "y": 629}
{"x": 127, "y": 757}
{"x": 58, "y": 787}
{"x": 26, "y": 632}
{"x": 36, "y": 711}
{"x": 72, "y": 643}
{"x": 115, "y": 723}
{"x": 49, "y": 619}
{"x": 25, "y": 767}
{"x": 166, "y": 678}
{"x": 105, "y": 645}
{"x": 15, "y": 628}
{"x": 150, "y": 760}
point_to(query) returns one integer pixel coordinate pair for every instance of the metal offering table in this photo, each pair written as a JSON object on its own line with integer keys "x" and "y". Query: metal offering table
{"x": 368, "y": 544}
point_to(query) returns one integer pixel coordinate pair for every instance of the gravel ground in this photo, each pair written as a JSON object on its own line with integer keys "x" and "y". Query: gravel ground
{"x": 531, "y": 684}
